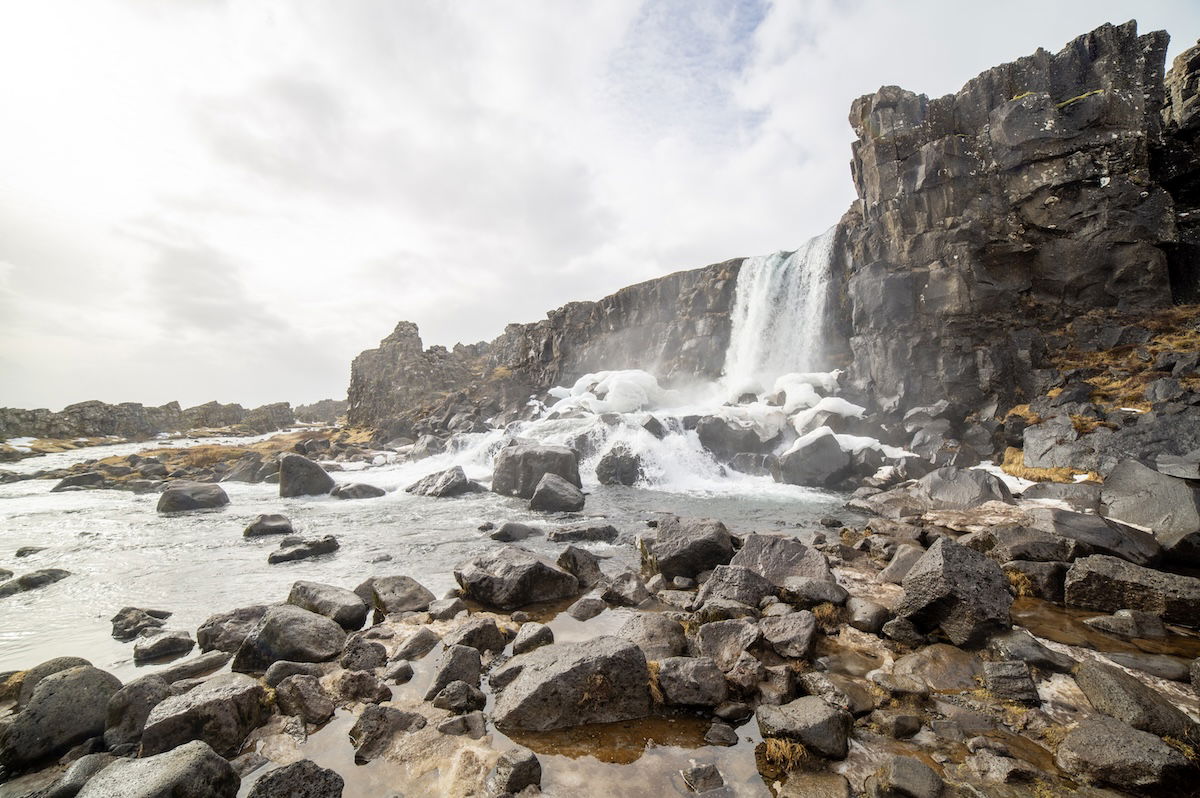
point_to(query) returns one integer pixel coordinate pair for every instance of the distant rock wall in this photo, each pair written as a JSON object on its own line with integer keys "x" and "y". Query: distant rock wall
{"x": 96, "y": 419}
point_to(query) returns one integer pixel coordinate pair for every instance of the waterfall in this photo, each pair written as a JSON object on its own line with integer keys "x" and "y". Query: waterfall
{"x": 779, "y": 315}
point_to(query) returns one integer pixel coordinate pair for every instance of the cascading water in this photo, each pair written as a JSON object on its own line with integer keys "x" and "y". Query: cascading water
{"x": 778, "y": 316}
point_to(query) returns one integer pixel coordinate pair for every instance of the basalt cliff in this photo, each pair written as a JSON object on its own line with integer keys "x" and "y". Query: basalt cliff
{"x": 1053, "y": 189}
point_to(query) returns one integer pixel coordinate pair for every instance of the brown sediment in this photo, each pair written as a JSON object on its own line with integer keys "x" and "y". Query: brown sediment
{"x": 1066, "y": 625}
{"x": 617, "y": 743}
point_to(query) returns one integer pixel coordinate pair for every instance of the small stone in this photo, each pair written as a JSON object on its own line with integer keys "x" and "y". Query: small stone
{"x": 517, "y": 769}
{"x": 1010, "y": 681}
{"x": 460, "y": 698}
{"x": 721, "y": 734}
{"x": 532, "y": 635}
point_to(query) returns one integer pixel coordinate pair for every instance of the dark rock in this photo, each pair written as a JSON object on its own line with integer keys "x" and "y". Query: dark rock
{"x": 691, "y": 681}
{"x": 192, "y": 769}
{"x": 292, "y": 549}
{"x": 174, "y": 642}
{"x": 129, "y": 622}
{"x": 361, "y": 686}
{"x": 185, "y": 496}
{"x": 1129, "y": 623}
{"x": 604, "y": 533}
{"x": 626, "y": 590}
{"x": 128, "y": 708}
{"x": 268, "y": 524}
{"x": 299, "y": 476}
{"x": 477, "y": 633}
{"x": 395, "y": 594}
{"x": 1019, "y": 644}
{"x": 686, "y": 546}
{"x": 519, "y": 468}
{"x": 303, "y": 779}
{"x": 446, "y": 609}
{"x": 724, "y": 641}
{"x": 957, "y": 590}
{"x": 905, "y": 557}
{"x": 1010, "y": 681}
{"x": 865, "y": 615}
{"x": 1167, "y": 505}
{"x": 226, "y": 631}
{"x": 304, "y": 697}
{"x": 904, "y": 777}
{"x": 221, "y": 711}
{"x": 1042, "y": 580}
{"x": 1161, "y": 665}
{"x": 516, "y": 770}
{"x": 32, "y": 581}
{"x": 581, "y": 564}
{"x": 357, "y": 490}
{"x": 532, "y": 635}
{"x": 456, "y": 664}
{"x": 791, "y": 635}
{"x": 283, "y": 669}
{"x": 725, "y": 437}
{"x": 418, "y": 645}
{"x": 778, "y": 558}
{"x": 1106, "y": 751}
{"x": 443, "y": 484}
{"x": 512, "y": 577}
{"x": 1108, "y": 584}
{"x": 287, "y": 632}
{"x": 554, "y": 494}
{"x": 65, "y": 708}
{"x": 372, "y": 733}
{"x": 341, "y": 605}
{"x": 720, "y": 734}
{"x": 805, "y": 591}
{"x": 1119, "y": 695}
{"x": 734, "y": 583}
{"x": 78, "y": 774}
{"x": 602, "y": 680}
{"x": 961, "y": 489}
{"x": 821, "y": 728}
{"x": 363, "y": 655}
{"x": 88, "y": 479}
{"x": 511, "y": 532}
{"x": 472, "y": 725}
{"x": 703, "y": 778}
{"x": 619, "y": 466}
{"x": 816, "y": 460}
{"x": 658, "y": 636}
{"x": 460, "y": 698}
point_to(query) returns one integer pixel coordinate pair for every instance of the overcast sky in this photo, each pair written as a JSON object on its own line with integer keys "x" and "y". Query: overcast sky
{"x": 229, "y": 200}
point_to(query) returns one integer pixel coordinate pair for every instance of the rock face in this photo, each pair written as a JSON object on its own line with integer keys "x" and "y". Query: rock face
{"x": 95, "y": 419}
{"x": 193, "y": 769}
{"x": 65, "y": 708}
{"x": 519, "y": 468}
{"x": 602, "y": 680}
{"x": 957, "y": 590}
{"x": 512, "y": 577}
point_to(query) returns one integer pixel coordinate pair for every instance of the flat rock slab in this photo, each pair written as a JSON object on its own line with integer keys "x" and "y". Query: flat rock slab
{"x": 1108, "y": 584}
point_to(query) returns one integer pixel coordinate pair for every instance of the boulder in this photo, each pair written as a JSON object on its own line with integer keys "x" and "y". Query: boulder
{"x": 951, "y": 488}
{"x": 372, "y": 733}
{"x": 691, "y": 681}
{"x": 160, "y": 644}
{"x": 725, "y": 437}
{"x": 1107, "y": 751}
{"x": 192, "y": 769}
{"x": 361, "y": 654}
{"x": 937, "y": 668}
{"x": 1100, "y": 582}
{"x": 357, "y": 490}
{"x": 185, "y": 496}
{"x": 287, "y": 632}
{"x": 283, "y": 669}
{"x": 1119, "y": 695}
{"x": 361, "y": 686}
{"x": 299, "y": 476}
{"x": 511, "y": 532}
{"x": 602, "y": 680}
{"x": 581, "y": 564}
{"x": 734, "y": 583}
{"x": 446, "y": 609}
{"x": 1166, "y": 505}
{"x": 32, "y": 581}
{"x": 626, "y": 590}
{"x": 820, "y": 727}
{"x": 620, "y": 465}
{"x": 444, "y": 484}
{"x": 303, "y": 779}
{"x": 226, "y": 631}
{"x": 532, "y": 635}
{"x": 456, "y": 664}
{"x": 1018, "y": 644}
{"x": 904, "y": 558}
{"x": 511, "y": 577}
{"x": 128, "y": 708}
{"x": 777, "y": 558}
{"x": 65, "y": 708}
{"x": 395, "y": 594}
{"x": 342, "y": 605}
{"x": 27, "y": 681}
{"x": 459, "y": 698}
{"x": 515, "y": 771}
{"x": 816, "y": 460}
{"x": 1129, "y": 623}
{"x": 725, "y": 641}
{"x": 130, "y": 622}
{"x": 477, "y": 633}
{"x": 904, "y": 777}
{"x": 291, "y": 549}
{"x": 519, "y": 468}
{"x": 268, "y": 524}
{"x": 658, "y": 636}
{"x": 554, "y": 494}
{"x": 78, "y": 774}
{"x": 791, "y": 635}
{"x": 221, "y": 711}
{"x": 304, "y": 697}
{"x": 687, "y": 546}
{"x": 590, "y": 533}
{"x": 1010, "y": 681}
{"x": 958, "y": 590}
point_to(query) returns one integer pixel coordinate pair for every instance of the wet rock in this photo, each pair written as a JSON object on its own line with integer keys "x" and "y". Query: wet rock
{"x": 1161, "y": 665}
{"x": 291, "y": 549}
{"x": 226, "y": 631}
{"x": 395, "y": 594}
{"x": 516, "y": 770}
{"x": 957, "y": 590}
{"x": 456, "y": 664}
{"x": 1019, "y": 644}
{"x": 1091, "y": 534}
{"x": 532, "y": 635}
{"x": 734, "y": 583}
{"x": 898, "y": 725}
{"x": 865, "y": 615}
{"x": 821, "y": 728}
{"x": 904, "y": 777}
{"x": 479, "y": 633}
{"x": 902, "y": 561}
{"x": 1105, "y": 751}
{"x": 779, "y": 558}
{"x": 511, "y": 532}
{"x": 459, "y": 698}
{"x": 511, "y": 577}
{"x": 702, "y": 778}
{"x": 1130, "y": 623}
{"x": 128, "y": 708}
{"x": 185, "y": 496}
{"x": 519, "y": 468}
{"x": 725, "y": 641}
{"x": 691, "y": 681}
{"x": 721, "y": 734}
{"x": 725, "y": 437}
{"x": 173, "y": 642}
{"x": 602, "y": 680}
{"x": 363, "y": 655}
{"x": 444, "y": 484}
{"x": 1117, "y": 694}
{"x": 303, "y": 779}
{"x": 357, "y": 490}
{"x": 816, "y": 460}
{"x": 130, "y": 622}
{"x": 805, "y": 591}
{"x": 418, "y": 645}
{"x": 1042, "y": 580}
{"x": 361, "y": 686}
{"x": 588, "y": 533}
{"x": 1100, "y": 582}
{"x": 299, "y": 476}
{"x": 343, "y": 606}
{"x": 446, "y": 609}
{"x": 686, "y": 546}
{"x": 938, "y": 668}
{"x": 88, "y": 479}
{"x": 1169, "y": 506}
{"x": 32, "y": 581}
{"x": 268, "y": 524}
{"x": 626, "y": 590}
{"x": 620, "y": 465}
{"x": 1010, "y": 681}
{"x": 65, "y": 708}
{"x": 472, "y": 725}
{"x": 192, "y": 769}
{"x": 372, "y": 733}
{"x": 220, "y": 711}
{"x": 303, "y": 696}
{"x": 583, "y": 565}
{"x": 658, "y": 636}
{"x": 791, "y": 635}
{"x": 290, "y": 633}
{"x": 554, "y": 494}
{"x": 838, "y": 690}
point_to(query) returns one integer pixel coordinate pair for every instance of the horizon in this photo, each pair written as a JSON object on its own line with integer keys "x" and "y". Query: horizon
{"x": 228, "y": 202}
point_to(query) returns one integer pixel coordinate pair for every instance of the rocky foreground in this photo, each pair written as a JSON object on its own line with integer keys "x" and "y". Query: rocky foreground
{"x": 973, "y": 644}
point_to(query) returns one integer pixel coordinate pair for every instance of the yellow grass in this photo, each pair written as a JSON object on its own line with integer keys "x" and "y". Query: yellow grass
{"x": 1014, "y": 464}
{"x": 787, "y": 755}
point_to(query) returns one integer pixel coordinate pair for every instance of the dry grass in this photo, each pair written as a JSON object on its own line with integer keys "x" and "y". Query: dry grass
{"x": 828, "y": 616}
{"x": 1053, "y": 735}
{"x": 787, "y": 755}
{"x": 1042, "y": 789}
{"x": 501, "y": 373}
{"x": 1024, "y": 412}
{"x": 1187, "y": 749}
{"x": 1020, "y": 583}
{"x": 655, "y": 689}
{"x": 1085, "y": 424}
{"x": 1014, "y": 464}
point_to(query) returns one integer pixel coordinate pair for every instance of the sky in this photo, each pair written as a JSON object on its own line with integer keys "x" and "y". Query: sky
{"x": 229, "y": 200}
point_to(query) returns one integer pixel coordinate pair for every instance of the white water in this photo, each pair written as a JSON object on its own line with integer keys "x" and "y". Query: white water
{"x": 778, "y": 315}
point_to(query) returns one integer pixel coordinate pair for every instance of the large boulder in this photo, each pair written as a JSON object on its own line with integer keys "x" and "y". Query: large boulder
{"x": 299, "y": 476}
{"x": 686, "y": 546}
{"x": 221, "y": 711}
{"x": 958, "y": 590}
{"x": 1107, "y": 751}
{"x": 268, "y": 524}
{"x": 511, "y": 577}
{"x": 1166, "y": 505}
{"x": 226, "y": 631}
{"x": 777, "y": 558}
{"x": 395, "y": 594}
{"x": 32, "y": 581}
{"x": 726, "y": 438}
{"x": 292, "y": 549}
{"x": 554, "y": 494}
{"x": 193, "y": 770}
{"x": 816, "y": 461}
{"x": 951, "y": 488}
{"x": 820, "y": 727}
{"x": 444, "y": 484}
{"x": 725, "y": 641}
{"x": 520, "y": 467}
{"x": 184, "y": 496}
{"x": 1117, "y": 694}
{"x": 734, "y": 583}
{"x": 1100, "y": 582}
{"x": 65, "y": 708}
{"x": 691, "y": 681}
{"x": 357, "y": 490}
{"x": 342, "y": 605}
{"x": 602, "y": 680}
{"x": 658, "y": 636}
{"x": 130, "y": 706}
{"x": 287, "y": 632}
{"x": 620, "y": 465}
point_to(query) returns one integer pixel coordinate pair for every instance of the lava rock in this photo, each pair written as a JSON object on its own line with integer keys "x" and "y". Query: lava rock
{"x": 342, "y": 606}
{"x": 1167, "y": 505}
{"x": 511, "y": 577}
{"x": 603, "y": 533}
{"x": 304, "y": 697}
{"x": 725, "y": 641}
{"x": 581, "y": 564}
{"x": 691, "y": 681}
{"x": 554, "y": 494}
{"x": 292, "y": 549}
{"x": 532, "y": 635}
{"x": 186, "y": 496}
{"x": 957, "y": 590}
{"x": 130, "y": 622}
{"x": 303, "y": 779}
{"x": 192, "y": 769}
{"x": 686, "y": 546}
{"x": 32, "y": 581}
{"x": 620, "y": 465}
{"x": 459, "y": 698}
{"x": 516, "y": 770}
{"x": 478, "y": 633}
{"x": 375, "y": 728}
{"x": 174, "y": 642}
{"x": 65, "y": 708}
{"x": 658, "y": 636}
{"x": 791, "y": 635}
{"x": 1117, "y": 694}
{"x": 816, "y": 460}
{"x": 734, "y": 583}
{"x": 1100, "y": 582}
{"x": 443, "y": 484}
{"x": 519, "y": 468}
{"x": 779, "y": 558}
{"x": 226, "y": 631}
{"x": 511, "y": 532}
{"x": 395, "y": 594}
{"x": 626, "y": 590}
{"x": 128, "y": 708}
{"x": 221, "y": 711}
{"x": 268, "y": 524}
{"x": 1106, "y": 751}
{"x": 821, "y": 728}
{"x": 363, "y": 655}
{"x": 1010, "y": 681}
{"x": 290, "y": 633}
{"x": 456, "y": 664}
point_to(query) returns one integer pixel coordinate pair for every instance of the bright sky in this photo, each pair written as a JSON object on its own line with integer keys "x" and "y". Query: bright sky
{"x": 217, "y": 199}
